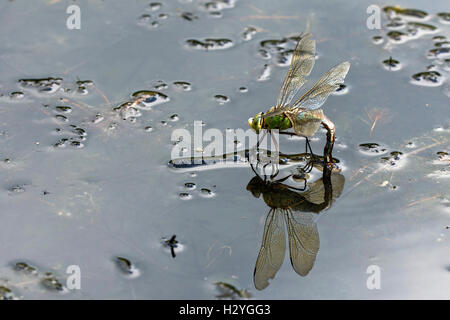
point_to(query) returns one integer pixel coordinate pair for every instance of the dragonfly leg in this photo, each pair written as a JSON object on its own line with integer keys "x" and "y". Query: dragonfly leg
{"x": 274, "y": 166}
{"x": 327, "y": 152}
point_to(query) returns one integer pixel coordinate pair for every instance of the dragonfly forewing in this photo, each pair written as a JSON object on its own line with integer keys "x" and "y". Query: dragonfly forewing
{"x": 301, "y": 65}
{"x": 315, "y": 97}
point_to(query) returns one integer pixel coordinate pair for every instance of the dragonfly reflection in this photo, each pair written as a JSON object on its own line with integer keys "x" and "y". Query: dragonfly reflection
{"x": 298, "y": 211}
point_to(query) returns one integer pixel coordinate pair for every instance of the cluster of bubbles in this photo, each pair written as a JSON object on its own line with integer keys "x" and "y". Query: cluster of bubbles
{"x": 74, "y": 135}
{"x": 403, "y": 25}
{"x": 190, "y": 188}
{"x": 443, "y": 161}
{"x": 393, "y": 160}
{"x": 145, "y": 100}
{"x": 36, "y": 280}
{"x": 154, "y": 17}
{"x": 209, "y": 44}
{"x": 140, "y": 100}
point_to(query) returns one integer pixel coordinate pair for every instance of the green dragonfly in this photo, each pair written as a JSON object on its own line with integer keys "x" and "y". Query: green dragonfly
{"x": 304, "y": 116}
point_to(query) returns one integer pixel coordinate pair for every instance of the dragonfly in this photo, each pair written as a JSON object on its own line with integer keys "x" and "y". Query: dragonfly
{"x": 304, "y": 115}
{"x": 297, "y": 210}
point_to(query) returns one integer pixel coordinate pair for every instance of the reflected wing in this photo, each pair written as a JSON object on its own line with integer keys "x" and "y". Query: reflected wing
{"x": 316, "y": 192}
{"x": 301, "y": 65}
{"x": 273, "y": 247}
{"x": 315, "y": 97}
{"x": 303, "y": 241}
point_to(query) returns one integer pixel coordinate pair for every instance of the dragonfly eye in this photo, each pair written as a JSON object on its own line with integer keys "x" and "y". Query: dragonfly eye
{"x": 256, "y": 122}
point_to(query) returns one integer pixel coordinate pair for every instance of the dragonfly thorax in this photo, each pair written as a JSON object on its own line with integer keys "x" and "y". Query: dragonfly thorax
{"x": 278, "y": 122}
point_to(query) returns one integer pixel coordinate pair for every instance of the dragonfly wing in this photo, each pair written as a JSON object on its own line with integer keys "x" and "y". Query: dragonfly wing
{"x": 273, "y": 247}
{"x": 316, "y": 192}
{"x": 315, "y": 97}
{"x": 303, "y": 241}
{"x": 301, "y": 65}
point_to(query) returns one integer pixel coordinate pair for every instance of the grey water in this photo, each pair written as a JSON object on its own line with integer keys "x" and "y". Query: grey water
{"x": 84, "y": 153}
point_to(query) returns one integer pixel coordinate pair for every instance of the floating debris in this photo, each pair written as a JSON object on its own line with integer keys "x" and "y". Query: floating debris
{"x": 249, "y": 33}
{"x": 82, "y": 86}
{"x": 6, "y": 294}
{"x": 63, "y": 109}
{"x": 243, "y": 89}
{"x": 45, "y": 85}
{"x": 16, "y": 95}
{"x": 391, "y": 64}
{"x": 393, "y": 159}
{"x": 372, "y": 149}
{"x": 428, "y": 78}
{"x": 207, "y": 193}
{"x": 190, "y": 185}
{"x": 228, "y": 291}
{"x": 61, "y": 118}
{"x": 442, "y": 44}
{"x": 392, "y": 11}
{"x": 189, "y": 16}
{"x": 264, "y": 54}
{"x": 17, "y": 189}
{"x": 144, "y": 100}
{"x": 215, "y": 14}
{"x": 439, "y": 53}
{"x": 395, "y": 24}
{"x": 183, "y": 85}
{"x": 221, "y": 98}
{"x": 51, "y": 282}
{"x": 127, "y": 110}
{"x": 98, "y": 118}
{"x": 377, "y": 39}
{"x": 342, "y": 89}
{"x": 397, "y": 36}
{"x": 26, "y": 268}
{"x": 172, "y": 243}
{"x": 161, "y": 85}
{"x": 127, "y": 267}
{"x": 265, "y": 74}
{"x": 154, "y": 6}
{"x": 148, "y": 128}
{"x": 185, "y": 196}
{"x": 444, "y": 17}
{"x": 209, "y": 44}
{"x": 218, "y": 5}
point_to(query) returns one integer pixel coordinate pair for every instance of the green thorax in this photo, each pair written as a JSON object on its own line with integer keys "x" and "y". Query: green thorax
{"x": 282, "y": 122}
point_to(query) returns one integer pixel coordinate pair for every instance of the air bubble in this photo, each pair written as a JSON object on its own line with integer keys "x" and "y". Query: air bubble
{"x": 185, "y": 196}
{"x": 377, "y": 39}
{"x": 249, "y": 33}
{"x": 209, "y": 44}
{"x": 127, "y": 267}
{"x": 190, "y": 185}
{"x": 428, "y": 78}
{"x": 372, "y": 149}
{"x": 207, "y": 193}
{"x": 182, "y": 85}
{"x": 391, "y": 64}
{"x": 221, "y": 98}
{"x": 265, "y": 74}
{"x": 154, "y": 6}
{"x": 444, "y": 17}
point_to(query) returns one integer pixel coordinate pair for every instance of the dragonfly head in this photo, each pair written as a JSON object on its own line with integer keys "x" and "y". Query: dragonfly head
{"x": 256, "y": 122}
